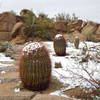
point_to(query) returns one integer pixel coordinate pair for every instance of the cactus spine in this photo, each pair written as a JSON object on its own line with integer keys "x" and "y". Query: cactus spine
{"x": 76, "y": 42}
{"x": 60, "y": 45}
{"x": 35, "y": 67}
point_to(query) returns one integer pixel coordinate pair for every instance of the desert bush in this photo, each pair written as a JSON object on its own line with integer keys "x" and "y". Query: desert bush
{"x": 58, "y": 65}
{"x": 29, "y": 20}
{"x": 44, "y": 28}
{"x": 38, "y": 27}
{"x": 35, "y": 66}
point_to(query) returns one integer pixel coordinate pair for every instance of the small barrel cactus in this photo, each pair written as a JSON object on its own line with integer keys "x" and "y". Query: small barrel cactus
{"x": 35, "y": 66}
{"x": 60, "y": 45}
{"x": 76, "y": 42}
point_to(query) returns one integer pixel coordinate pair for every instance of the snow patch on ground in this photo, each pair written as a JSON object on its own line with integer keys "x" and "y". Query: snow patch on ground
{"x": 5, "y": 61}
{"x": 72, "y": 70}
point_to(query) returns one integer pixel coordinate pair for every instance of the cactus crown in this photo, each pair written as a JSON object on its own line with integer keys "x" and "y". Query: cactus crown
{"x": 59, "y": 36}
{"x": 35, "y": 50}
{"x": 32, "y": 47}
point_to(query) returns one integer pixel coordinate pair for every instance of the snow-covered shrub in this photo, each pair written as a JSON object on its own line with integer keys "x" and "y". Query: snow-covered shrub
{"x": 35, "y": 66}
{"x": 60, "y": 45}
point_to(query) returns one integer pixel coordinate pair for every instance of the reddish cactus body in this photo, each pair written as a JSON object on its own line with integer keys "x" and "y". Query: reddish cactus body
{"x": 60, "y": 45}
{"x": 76, "y": 42}
{"x": 35, "y": 67}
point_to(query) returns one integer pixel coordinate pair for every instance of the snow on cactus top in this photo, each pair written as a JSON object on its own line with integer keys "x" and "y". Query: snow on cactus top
{"x": 76, "y": 37}
{"x": 34, "y": 46}
{"x": 58, "y": 36}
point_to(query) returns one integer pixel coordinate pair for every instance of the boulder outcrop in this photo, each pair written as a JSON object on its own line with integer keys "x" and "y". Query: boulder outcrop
{"x": 7, "y": 21}
{"x": 91, "y": 27}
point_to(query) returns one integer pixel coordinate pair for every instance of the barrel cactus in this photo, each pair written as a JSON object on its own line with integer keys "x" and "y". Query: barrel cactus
{"x": 60, "y": 45}
{"x": 76, "y": 42}
{"x": 35, "y": 66}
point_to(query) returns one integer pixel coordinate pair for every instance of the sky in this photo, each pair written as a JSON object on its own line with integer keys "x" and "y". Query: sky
{"x": 85, "y": 9}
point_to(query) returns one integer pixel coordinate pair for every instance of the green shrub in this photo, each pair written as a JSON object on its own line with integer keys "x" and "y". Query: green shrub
{"x": 29, "y": 20}
{"x": 44, "y": 28}
{"x": 38, "y": 27}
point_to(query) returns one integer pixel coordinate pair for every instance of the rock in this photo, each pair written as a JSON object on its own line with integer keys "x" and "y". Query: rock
{"x": 85, "y": 58}
{"x": 18, "y": 40}
{"x": 89, "y": 31}
{"x": 70, "y": 26}
{"x": 5, "y": 36}
{"x": 9, "y": 52}
{"x": 14, "y": 52}
{"x": 17, "y": 29}
{"x": 2, "y": 49}
{"x": 18, "y": 36}
{"x": 74, "y": 25}
{"x": 91, "y": 27}
{"x": 25, "y": 12}
{"x": 7, "y": 92}
{"x": 7, "y": 21}
{"x": 49, "y": 97}
{"x": 98, "y": 31}
{"x": 61, "y": 26}
{"x": 98, "y": 55}
{"x": 4, "y": 46}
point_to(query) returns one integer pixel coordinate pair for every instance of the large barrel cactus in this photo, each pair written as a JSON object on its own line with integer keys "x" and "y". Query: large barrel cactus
{"x": 60, "y": 45}
{"x": 76, "y": 42}
{"x": 35, "y": 66}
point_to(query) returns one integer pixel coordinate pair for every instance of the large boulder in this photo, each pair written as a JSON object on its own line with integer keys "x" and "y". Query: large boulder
{"x": 90, "y": 28}
{"x": 17, "y": 29}
{"x": 24, "y": 12}
{"x": 7, "y": 21}
{"x": 18, "y": 40}
{"x": 14, "y": 52}
{"x": 74, "y": 25}
{"x": 98, "y": 31}
{"x": 17, "y": 33}
{"x": 61, "y": 26}
{"x": 5, "y": 36}
{"x": 89, "y": 32}
{"x": 49, "y": 97}
{"x": 4, "y": 46}
{"x": 69, "y": 27}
